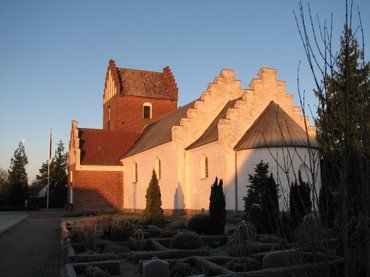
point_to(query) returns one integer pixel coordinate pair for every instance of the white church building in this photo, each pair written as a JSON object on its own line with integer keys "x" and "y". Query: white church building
{"x": 224, "y": 133}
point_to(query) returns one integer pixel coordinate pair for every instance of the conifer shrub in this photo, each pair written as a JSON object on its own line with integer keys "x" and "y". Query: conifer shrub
{"x": 261, "y": 203}
{"x": 187, "y": 240}
{"x": 326, "y": 206}
{"x": 217, "y": 210}
{"x": 153, "y": 213}
{"x": 200, "y": 223}
{"x": 299, "y": 201}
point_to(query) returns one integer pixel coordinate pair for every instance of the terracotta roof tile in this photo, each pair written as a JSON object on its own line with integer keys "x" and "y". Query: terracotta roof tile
{"x": 211, "y": 134}
{"x": 159, "y": 132}
{"x": 275, "y": 128}
{"x": 147, "y": 83}
{"x": 104, "y": 147}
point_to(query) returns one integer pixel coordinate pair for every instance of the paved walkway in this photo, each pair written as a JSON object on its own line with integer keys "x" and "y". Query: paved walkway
{"x": 10, "y": 219}
{"x": 32, "y": 247}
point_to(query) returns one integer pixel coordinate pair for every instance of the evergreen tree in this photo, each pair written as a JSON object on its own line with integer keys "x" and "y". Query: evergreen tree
{"x": 326, "y": 205}
{"x": 153, "y": 212}
{"x": 299, "y": 200}
{"x": 261, "y": 203}
{"x": 217, "y": 210}
{"x": 3, "y": 185}
{"x": 271, "y": 206}
{"x": 42, "y": 177}
{"x": 343, "y": 122}
{"x": 58, "y": 178}
{"x": 17, "y": 177}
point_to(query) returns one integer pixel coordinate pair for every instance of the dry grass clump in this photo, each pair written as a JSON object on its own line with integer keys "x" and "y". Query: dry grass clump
{"x": 239, "y": 245}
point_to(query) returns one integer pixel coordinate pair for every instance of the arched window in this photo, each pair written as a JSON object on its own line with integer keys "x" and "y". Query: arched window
{"x": 204, "y": 167}
{"x": 147, "y": 110}
{"x": 134, "y": 172}
{"x": 157, "y": 168}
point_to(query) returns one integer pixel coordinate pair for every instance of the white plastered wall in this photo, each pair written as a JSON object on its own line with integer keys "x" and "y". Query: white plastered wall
{"x": 134, "y": 193}
{"x": 284, "y": 164}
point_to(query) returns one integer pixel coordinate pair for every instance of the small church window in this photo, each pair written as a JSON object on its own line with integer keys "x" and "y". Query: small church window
{"x": 147, "y": 110}
{"x": 204, "y": 167}
{"x": 157, "y": 168}
{"x": 108, "y": 118}
{"x": 135, "y": 173}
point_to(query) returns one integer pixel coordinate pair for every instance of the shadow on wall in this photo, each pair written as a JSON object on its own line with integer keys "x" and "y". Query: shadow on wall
{"x": 179, "y": 198}
{"x": 94, "y": 200}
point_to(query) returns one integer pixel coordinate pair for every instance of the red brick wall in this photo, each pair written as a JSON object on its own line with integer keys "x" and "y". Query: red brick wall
{"x": 127, "y": 112}
{"x": 97, "y": 190}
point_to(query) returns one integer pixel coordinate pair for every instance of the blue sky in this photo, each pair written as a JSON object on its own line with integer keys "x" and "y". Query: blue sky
{"x": 54, "y": 55}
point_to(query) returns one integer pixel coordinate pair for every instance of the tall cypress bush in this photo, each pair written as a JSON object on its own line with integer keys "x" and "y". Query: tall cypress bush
{"x": 153, "y": 212}
{"x": 299, "y": 200}
{"x": 217, "y": 209}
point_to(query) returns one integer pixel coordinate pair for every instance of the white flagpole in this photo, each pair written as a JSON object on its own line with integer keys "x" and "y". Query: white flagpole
{"x": 49, "y": 162}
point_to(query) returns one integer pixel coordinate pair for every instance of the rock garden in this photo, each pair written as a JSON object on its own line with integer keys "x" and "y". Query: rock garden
{"x": 206, "y": 244}
{"x": 103, "y": 246}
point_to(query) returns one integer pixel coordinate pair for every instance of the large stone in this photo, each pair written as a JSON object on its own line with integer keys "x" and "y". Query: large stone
{"x": 156, "y": 268}
{"x": 282, "y": 258}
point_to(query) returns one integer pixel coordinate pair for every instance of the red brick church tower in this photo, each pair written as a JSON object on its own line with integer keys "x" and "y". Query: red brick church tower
{"x": 131, "y": 99}
{"x": 134, "y": 98}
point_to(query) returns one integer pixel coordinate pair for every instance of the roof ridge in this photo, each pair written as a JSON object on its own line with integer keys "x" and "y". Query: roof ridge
{"x": 142, "y": 70}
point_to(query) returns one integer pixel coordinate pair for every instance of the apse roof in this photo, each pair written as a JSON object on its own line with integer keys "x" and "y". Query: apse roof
{"x": 275, "y": 128}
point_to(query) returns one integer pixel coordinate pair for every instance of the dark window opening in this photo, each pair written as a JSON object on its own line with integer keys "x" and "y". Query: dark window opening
{"x": 146, "y": 111}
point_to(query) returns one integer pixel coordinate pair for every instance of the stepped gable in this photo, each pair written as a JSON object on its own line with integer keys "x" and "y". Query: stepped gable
{"x": 211, "y": 134}
{"x": 104, "y": 147}
{"x": 145, "y": 83}
{"x": 159, "y": 132}
{"x": 275, "y": 128}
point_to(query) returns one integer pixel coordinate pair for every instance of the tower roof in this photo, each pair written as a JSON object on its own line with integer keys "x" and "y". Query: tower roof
{"x": 275, "y": 128}
{"x": 144, "y": 83}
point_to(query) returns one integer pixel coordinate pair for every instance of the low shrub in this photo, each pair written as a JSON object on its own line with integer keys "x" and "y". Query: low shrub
{"x": 94, "y": 271}
{"x": 243, "y": 265}
{"x": 176, "y": 225}
{"x": 310, "y": 232}
{"x": 121, "y": 229}
{"x": 167, "y": 233}
{"x": 181, "y": 269}
{"x": 187, "y": 240}
{"x": 86, "y": 233}
{"x": 113, "y": 267}
{"x": 200, "y": 223}
{"x": 105, "y": 224}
